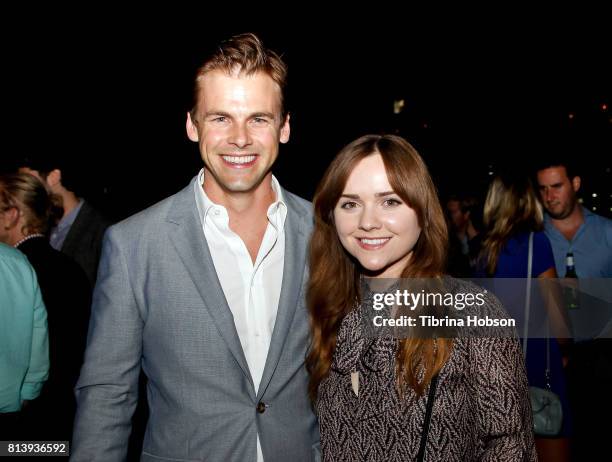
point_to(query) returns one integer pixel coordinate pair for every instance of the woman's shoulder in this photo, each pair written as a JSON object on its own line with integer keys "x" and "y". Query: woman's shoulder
{"x": 541, "y": 239}
{"x": 522, "y": 238}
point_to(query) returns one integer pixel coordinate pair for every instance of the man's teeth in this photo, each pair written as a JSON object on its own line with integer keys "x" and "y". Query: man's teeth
{"x": 374, "y": 241}
{"x": 238, "y": 159}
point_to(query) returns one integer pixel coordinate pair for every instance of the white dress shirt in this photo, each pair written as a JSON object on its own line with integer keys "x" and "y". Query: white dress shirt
{"x": 252, "y": 290}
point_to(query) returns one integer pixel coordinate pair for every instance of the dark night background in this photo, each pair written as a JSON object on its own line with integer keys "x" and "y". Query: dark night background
{"x": 110, "y": 90}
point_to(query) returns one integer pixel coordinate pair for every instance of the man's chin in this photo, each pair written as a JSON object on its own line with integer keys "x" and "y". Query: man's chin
{"x": 241, "y": 186}
{"x": 242, "y": 182}
{"x": 558, "y": 215}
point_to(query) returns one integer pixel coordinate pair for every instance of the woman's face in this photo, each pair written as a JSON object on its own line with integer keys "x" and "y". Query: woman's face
{"x": 373, "y": 222}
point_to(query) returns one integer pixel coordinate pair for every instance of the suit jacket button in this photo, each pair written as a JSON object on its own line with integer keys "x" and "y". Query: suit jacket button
{"x": 261, "y": 407}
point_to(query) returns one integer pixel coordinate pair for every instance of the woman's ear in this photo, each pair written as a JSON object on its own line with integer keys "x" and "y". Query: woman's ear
{"x": 11, "y": 217}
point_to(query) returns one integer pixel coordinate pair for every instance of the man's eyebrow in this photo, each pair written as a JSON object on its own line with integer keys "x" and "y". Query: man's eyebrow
{"x": 262, "y": 114}
{"x": 554, "y": 185}
{"x": 217, "y": 113}
{"x": 268, "y": 115}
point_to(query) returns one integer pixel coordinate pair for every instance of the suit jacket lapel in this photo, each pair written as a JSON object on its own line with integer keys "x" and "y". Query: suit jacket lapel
{"x": 188, "y": 239}
{"x": 293, "y": 273}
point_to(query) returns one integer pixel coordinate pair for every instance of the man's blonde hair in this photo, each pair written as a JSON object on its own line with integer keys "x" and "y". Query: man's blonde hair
{"x": 243, "y": 54}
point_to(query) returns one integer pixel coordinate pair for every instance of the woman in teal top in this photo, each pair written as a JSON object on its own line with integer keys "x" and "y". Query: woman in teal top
{"x": 24, "y": 346}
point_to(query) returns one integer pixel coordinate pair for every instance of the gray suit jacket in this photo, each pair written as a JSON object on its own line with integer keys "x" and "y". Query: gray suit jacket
{"x": 158, "y": 304}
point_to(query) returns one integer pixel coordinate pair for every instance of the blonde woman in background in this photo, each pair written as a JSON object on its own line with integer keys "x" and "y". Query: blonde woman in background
{"x": 511, "y": 213}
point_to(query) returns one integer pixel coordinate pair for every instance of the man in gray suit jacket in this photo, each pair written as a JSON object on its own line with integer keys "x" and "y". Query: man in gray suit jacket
{"x": 205, "y": 292}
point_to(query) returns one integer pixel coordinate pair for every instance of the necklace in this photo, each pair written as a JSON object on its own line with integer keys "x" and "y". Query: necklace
{"x": 27, "y": 238}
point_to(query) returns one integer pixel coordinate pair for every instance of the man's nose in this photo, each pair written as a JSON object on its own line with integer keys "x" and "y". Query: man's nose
{"x": 240, "y": 136}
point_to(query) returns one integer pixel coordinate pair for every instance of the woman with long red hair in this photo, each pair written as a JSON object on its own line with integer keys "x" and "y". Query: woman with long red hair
{"x": 377, "y": 215}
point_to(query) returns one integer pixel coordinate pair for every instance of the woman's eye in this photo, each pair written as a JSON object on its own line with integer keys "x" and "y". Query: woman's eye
{"x": 348, "y": 205}
{"x": 391, "y": 202}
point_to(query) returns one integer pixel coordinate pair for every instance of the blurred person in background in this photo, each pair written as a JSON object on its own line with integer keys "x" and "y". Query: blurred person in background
{"x": 29, "y": 211}
{"x": 24, "y": 347}
{"x": 511, "y": 214}
{"x": 79, "y": 230}
{"x": 574, "y": 229}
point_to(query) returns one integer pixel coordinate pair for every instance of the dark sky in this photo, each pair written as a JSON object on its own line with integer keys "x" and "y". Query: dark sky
{"x": 111, "y": 90}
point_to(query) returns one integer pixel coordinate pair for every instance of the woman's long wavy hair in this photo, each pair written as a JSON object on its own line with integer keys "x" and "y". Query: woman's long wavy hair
{"x": 334, "y": 274}
{"x": 511, "y": 207}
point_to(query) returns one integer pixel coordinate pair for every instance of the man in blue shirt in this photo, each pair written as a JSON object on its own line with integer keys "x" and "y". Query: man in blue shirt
{"x": 572, "y": 228}
{"x": 24, "y": 345}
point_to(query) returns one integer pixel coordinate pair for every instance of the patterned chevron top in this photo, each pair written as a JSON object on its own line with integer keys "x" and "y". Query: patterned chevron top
{"x": 481, "y": 409}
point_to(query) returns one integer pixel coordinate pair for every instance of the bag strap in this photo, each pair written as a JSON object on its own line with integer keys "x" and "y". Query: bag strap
{"x": 428, "y": 411}
{"x": 527, "y": 309}
{"x": 528, "y": 294}
{"x": 547, "y": 371}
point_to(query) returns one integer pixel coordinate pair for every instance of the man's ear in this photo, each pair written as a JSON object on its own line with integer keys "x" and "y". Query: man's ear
{"x": 54, "y": 178}
{"x": 285, "y": 130}
{"x": 576, "y": 181}
{"x": 192, "y": 130}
